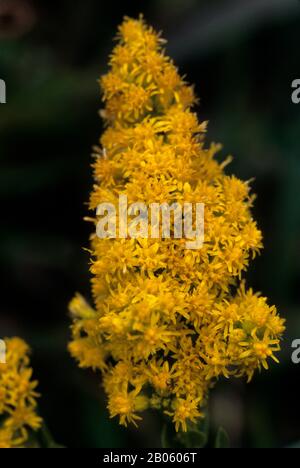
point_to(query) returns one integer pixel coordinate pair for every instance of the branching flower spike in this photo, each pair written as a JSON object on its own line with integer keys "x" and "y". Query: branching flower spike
{"x": 168, "y": 322}
{"x": 18, "y": 415}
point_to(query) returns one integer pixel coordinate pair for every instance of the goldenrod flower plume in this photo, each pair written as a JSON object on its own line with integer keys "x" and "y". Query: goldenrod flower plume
{"x": 18, "y": 414}
{"x": 168, "y": 322}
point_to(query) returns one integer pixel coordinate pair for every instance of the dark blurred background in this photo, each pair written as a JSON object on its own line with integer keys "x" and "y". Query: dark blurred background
{"x": 242, "y": 56}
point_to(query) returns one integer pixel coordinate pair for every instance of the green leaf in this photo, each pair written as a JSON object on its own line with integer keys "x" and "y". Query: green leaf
{"x": 196, "y": 436}
{"x": 46, "y": 439}
{"x": 204, "y": 425}
{"x": 165, "y": 443}
{"x": 222, "y": 439}
{"x": 193, "y": 439}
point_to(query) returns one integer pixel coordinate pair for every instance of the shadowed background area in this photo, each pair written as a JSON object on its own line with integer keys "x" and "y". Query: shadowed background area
{"x": 242, "y": 56}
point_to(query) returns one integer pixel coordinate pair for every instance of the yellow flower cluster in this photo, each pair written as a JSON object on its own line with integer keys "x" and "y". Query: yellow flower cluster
{"x": 17, "y": 396}
{"x": 167, "y": 322}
